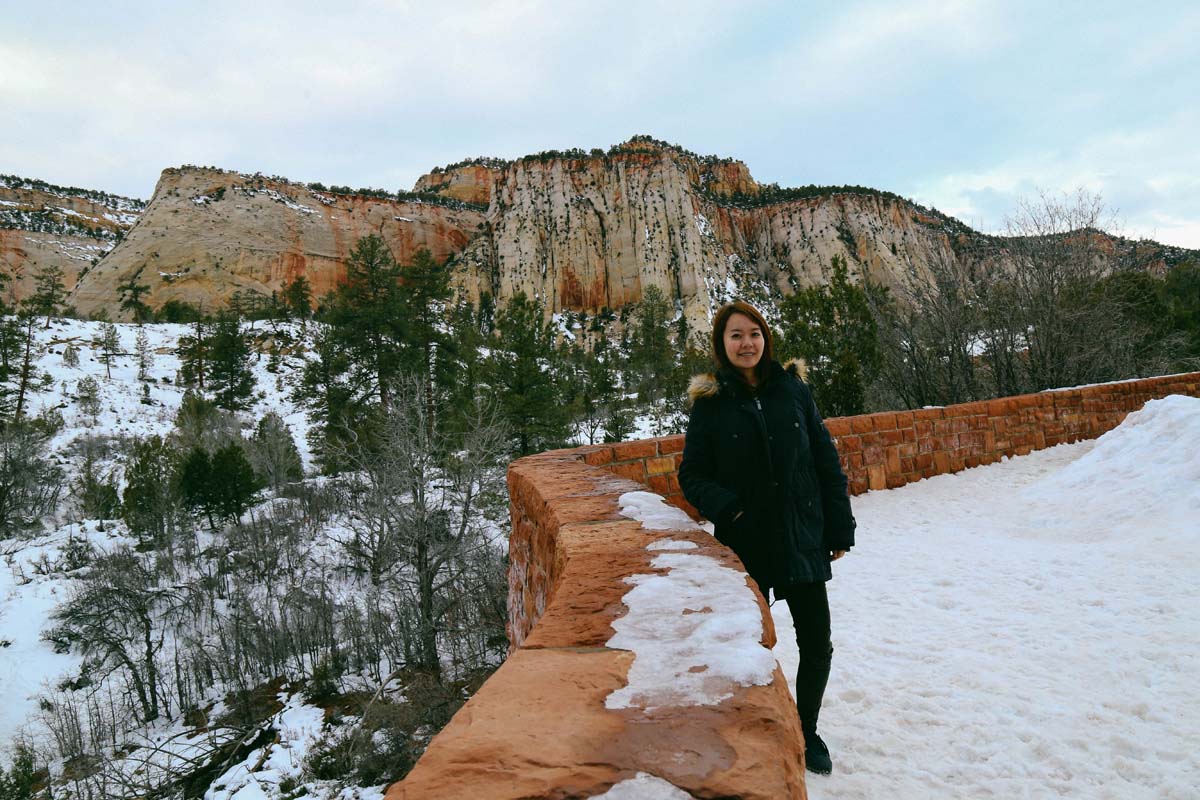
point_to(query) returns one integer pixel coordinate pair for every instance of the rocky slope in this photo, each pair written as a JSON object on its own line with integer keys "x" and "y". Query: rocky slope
{"x": 208, "y": 234}
{"x": 42, "y": 225}
{"x": 596, "y": 231}
{"x": 580, "y": 230}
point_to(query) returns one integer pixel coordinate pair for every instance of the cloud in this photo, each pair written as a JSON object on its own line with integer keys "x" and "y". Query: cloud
{"x": 1149, "y": 176}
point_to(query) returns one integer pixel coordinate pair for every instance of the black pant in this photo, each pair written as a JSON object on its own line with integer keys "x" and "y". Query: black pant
{"x": 809, "y": 605}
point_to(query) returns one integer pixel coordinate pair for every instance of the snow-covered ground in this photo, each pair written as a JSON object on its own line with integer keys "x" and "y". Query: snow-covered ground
{"x": 1025, "y": 629}
{"x": 29, "y": 587}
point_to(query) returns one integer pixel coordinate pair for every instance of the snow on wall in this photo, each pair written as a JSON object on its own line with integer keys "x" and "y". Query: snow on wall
{"x": 694, "y": 630}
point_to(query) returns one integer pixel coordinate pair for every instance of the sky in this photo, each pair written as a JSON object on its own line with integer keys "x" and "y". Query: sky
{"x": 969, "y": 106}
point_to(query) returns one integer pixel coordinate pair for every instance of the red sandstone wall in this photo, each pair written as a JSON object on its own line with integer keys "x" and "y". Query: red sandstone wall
{"x": 538, "y": 727}
{"x": 890, "y": 449}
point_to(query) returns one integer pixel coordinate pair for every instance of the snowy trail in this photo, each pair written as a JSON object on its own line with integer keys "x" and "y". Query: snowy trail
{"x": 1026, "y": 629}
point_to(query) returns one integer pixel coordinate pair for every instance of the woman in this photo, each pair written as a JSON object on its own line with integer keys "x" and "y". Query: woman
{"x": 759, "y": 463}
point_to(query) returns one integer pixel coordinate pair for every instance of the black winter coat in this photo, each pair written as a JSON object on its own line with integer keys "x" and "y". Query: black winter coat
{"x": 767, "y": 453}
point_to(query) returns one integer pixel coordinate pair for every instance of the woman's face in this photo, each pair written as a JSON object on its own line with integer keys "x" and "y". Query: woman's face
{"x": 743, "y": 342}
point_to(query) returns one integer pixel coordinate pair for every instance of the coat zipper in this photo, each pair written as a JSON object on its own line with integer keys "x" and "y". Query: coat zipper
{"x": 762, "y": 429}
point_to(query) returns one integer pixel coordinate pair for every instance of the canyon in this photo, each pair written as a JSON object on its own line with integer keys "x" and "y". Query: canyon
{"x": 586, "y": 232}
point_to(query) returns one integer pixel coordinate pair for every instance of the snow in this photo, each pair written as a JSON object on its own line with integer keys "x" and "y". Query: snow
{"x": 28, "y": 593}
{"x": 299, "y": 725}
{"x": 694, "y": 629}
{"x": 655, "y": 513}
{"x": 26, "y": 662}
{"x": 1025, "y": 629}
{"x": 644, "y": 787}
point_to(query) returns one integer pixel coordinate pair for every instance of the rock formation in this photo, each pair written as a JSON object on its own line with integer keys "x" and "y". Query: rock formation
{"x": 208, "y": 234}
{"x": 581, "y": 231}
{"x": 46, "y": 226}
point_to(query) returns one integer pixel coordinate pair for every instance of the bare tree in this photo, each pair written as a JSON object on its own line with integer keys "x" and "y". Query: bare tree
{"x": 931, "y": 335}
{"x": 30, "y": 484}
{"x": 1047, "y": 320}
{"x": 416, "y": 497}
{"x": 113, "y": 616}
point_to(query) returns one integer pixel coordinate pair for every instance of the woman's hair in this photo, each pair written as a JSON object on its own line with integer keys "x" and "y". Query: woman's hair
{"x": 718, "y": 335}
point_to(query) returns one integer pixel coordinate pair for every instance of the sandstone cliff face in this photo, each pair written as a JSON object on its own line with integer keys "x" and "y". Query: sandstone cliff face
{"x": 595, "y": 232}
{"x": 470, "y": 183}
{"x": 45, "y": 226}
{"x": 580, "y": 231}
{"x": 208, "y": 234}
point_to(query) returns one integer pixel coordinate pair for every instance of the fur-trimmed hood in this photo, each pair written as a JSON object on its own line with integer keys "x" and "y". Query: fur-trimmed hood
{"x": 708, "y": 384}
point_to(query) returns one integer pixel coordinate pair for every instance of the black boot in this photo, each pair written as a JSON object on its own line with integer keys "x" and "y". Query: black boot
{"x": 816, "y": 754}
{"x": 811, "y": 679}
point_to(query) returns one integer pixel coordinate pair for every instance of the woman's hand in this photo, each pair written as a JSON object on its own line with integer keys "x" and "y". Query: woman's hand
{"x": 834, "y": 555}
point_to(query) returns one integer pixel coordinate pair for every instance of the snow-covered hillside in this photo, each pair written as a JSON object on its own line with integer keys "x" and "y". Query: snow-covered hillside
{"x": 300, "y": 560}
{"x": 27, "y": 593}
{"x": 1026, "y": 629}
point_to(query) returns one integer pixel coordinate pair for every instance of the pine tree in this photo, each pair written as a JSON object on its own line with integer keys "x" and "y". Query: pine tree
{"x": 142, "y": 349}
{"x": 522, "y": 373}
{"x": 96, "y": 494}
{"x": 192, "y": 350}
{"x": 70, "y": 355}
{"x": 297, "y": 297}
{"x": 49, "y": 293}
{"x": 232, "y": 483}
{"x": 109, "y": 343}
{"x": 651, "y": 356}
{"x": 11, "y": 346}
{"x": 87, "y": 393}
{"x": 833, "y": 329}
{"x": 148, "y": 503}
{"x": 229, "y": 376}
{"x": 131, "y": 298}
{"x": 195, "y": 483}
{"x": 366, "y": 319}
{"x": 383, "y": 322}
{"x": 27, "y": 350}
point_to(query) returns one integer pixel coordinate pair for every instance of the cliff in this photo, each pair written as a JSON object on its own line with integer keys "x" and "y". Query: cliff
{"x": 579, "y": 230}
{"x": 208, "y": 234}
{"x": 595, "y": 231}
{"x": 42, "y": 225}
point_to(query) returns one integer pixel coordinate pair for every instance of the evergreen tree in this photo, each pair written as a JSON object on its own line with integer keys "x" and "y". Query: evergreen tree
{"x": 142, "y": 349}
{"x": 195, "y": 478}
{"x": 27, "y": 350}
{"x": 232, "y": 483}
{"x": 593, "y": 388}
{"x": 383, "y": 322}
{"x": 109, "y": 343}
{"x": 1181, "y": 296}
{"x": 131, "y": 298}
{"x": 832, "y": 328}
{"x": 87, "y": 393}
{"x": 366, "y": 319}
{"x": 70, "y": 355}
{"x": 96, "y": 494}
{"x": 522, "y": 372}
{"x": 334, "y": 400}
{"x": 192, "y": 350}
{"x": 49, "y": 293}
{"x": 19, "y": 782}
{"x": 651, "y": 356}
{"x": 148, "y": 504}
{"x": 297, "y": 297}
{"x": 229, "y": 376}
{"x": 11, "y": 348}
{"x": 221, "y": 486}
